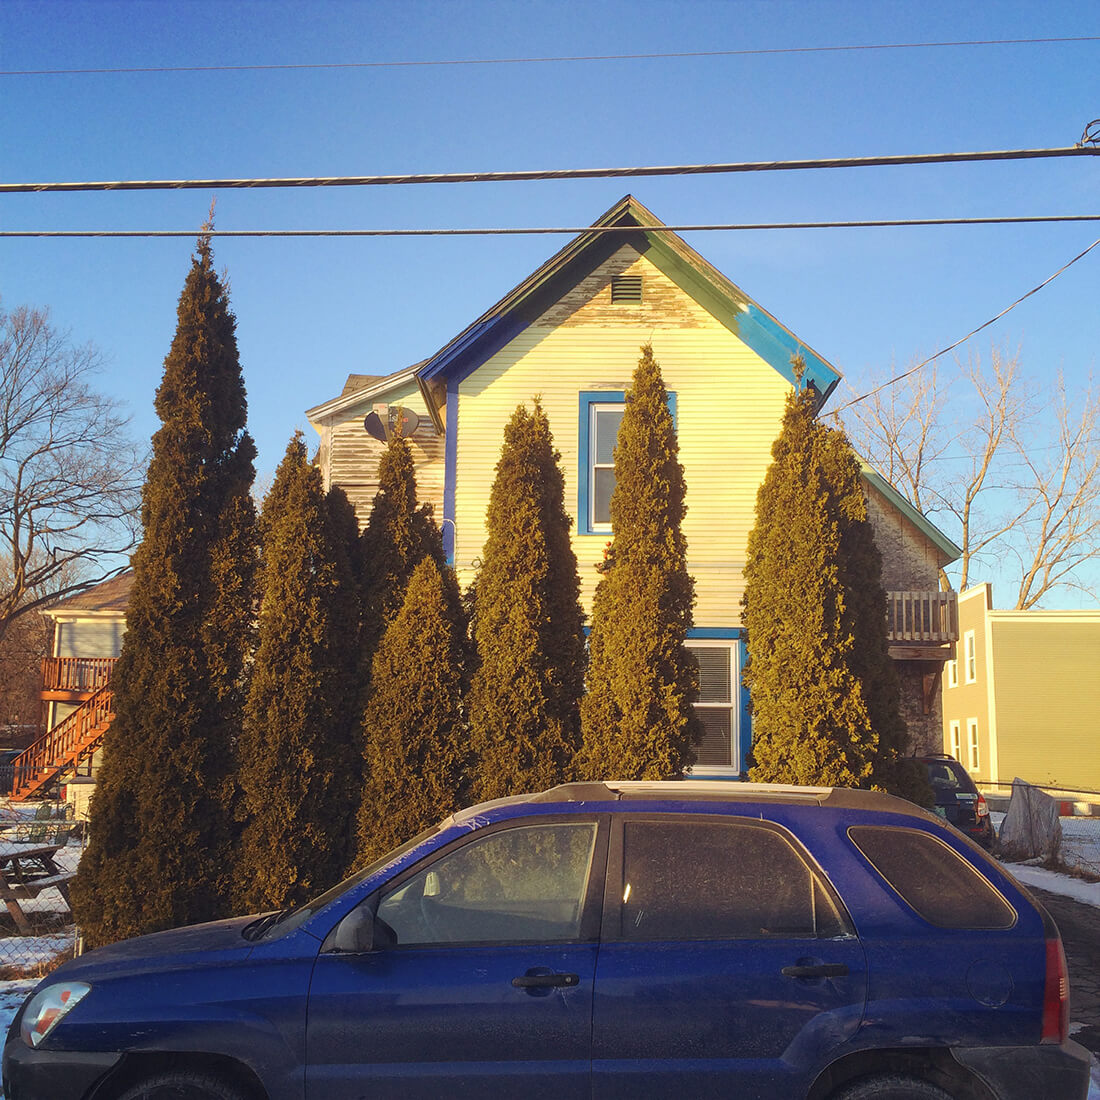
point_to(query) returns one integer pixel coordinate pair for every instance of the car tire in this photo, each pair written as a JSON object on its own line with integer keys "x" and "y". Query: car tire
{"x": 891, "y": 1087}
{"x": 182, "y": 1086}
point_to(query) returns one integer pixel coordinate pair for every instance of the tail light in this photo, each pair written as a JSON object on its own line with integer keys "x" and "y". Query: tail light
{"x": 980, "y": 808}
{"x": 1055, "y": 1027}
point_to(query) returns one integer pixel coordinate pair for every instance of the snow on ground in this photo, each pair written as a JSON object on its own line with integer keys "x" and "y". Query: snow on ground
{"x": 1057, "y": 883}
{"x": 1081, "y": 843}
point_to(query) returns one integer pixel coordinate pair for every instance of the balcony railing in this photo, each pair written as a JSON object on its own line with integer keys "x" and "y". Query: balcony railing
{"x": 76, "y": 675}
{"x": 922, "y": 617}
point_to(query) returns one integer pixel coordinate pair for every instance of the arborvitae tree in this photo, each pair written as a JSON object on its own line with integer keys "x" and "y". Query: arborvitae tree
{"x": 637, "y": 719}
{"x": 529, "y": 626}
{"x": 161, "y": 828}
{"x": 824, "y": 694}
{"x": 300, "y": 751}
{"x": 416, "y": 742}
{"x": 397, "y": 536}
{"x": 860, "y": 565}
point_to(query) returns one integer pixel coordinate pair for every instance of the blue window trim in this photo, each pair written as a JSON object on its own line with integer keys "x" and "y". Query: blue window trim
{"x": 588, "y": 398}
{"x": 450, "y": 466}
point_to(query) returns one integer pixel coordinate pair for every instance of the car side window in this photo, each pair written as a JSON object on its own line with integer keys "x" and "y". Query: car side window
{"x": 932, "y": 879}
{"x": 708, "y": 880}
{"x": 524, "y": 884}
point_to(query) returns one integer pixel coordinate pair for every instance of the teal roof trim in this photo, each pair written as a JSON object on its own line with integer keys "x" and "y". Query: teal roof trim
{"x": 933, "y": 533}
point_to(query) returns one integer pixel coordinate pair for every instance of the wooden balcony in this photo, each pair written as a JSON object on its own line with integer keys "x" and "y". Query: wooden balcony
{"x": 921, "y": 625}
{"x": 74, "y": 679}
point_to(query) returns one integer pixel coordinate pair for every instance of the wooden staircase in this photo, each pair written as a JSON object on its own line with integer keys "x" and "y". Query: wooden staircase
{"x": 73, "y": 739}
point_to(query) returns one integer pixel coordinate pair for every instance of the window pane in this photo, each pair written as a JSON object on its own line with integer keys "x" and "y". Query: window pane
{"x": 715, "y": 748}
{"x": 520, "y": 885}
{"x": 607, "y": 430}
{"x": 933, "y": 879}
{"x": 707, "y": 880}
{"x": 603, "y": 483}
{"x": 714, "y": 673}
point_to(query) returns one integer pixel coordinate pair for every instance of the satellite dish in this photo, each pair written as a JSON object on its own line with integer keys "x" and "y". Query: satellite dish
{"x": 398, "y": 421}
{"x": 401, "y": 421}
{"x": 374, "y": 426}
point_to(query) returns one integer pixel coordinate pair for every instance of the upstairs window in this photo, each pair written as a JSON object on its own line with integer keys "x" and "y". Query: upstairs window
{"x": 601, "y": 414}
{"x": 604, "y": 430}
{"x": 971, "y": 657}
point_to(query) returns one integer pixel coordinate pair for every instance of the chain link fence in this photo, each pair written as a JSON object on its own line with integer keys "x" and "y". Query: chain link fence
{"x": 1078, "y": 816}
{"x": 40, "y": 847}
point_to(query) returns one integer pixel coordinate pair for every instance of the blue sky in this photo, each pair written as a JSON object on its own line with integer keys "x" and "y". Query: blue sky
{"x": 311, "y": 311}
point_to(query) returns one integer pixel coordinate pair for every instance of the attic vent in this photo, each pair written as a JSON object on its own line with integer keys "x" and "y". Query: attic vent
{"x": 626, "y": 288}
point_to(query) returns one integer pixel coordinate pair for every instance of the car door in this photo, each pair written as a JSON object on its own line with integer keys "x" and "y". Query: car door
{"x": 479, "y": 981}
{"x": 727, "y": 968}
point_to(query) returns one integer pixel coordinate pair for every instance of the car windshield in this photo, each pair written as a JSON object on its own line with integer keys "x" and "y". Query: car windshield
{"x": 279, "y": 924}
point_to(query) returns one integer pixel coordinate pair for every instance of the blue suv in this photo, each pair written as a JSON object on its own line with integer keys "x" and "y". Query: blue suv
{"x": 599, "y": 941}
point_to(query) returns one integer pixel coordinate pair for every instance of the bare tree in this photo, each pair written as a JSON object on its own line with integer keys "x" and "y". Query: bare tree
{"x": 70, "y": 476}
{"x": 1061, "y": 490}
{"x": 1008, "y": 468}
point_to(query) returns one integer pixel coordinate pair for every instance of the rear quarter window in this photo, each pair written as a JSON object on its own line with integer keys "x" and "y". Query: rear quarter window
{"x": 932, "y": 878}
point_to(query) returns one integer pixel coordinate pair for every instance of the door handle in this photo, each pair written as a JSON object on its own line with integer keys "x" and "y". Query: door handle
{"x": 543, "y": 981}
{"x": 818, "y": 970}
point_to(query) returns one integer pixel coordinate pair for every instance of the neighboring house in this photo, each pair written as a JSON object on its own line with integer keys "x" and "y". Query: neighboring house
{"x": 76, "y": 686}
{"x": 571, "y": 333}
{"x": 1022, "y": 695}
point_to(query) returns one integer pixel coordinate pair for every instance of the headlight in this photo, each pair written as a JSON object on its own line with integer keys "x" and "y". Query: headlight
{"x": 46, "y": 1008}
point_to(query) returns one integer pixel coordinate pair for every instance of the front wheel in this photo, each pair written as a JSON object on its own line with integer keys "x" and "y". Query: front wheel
{"x": 891, "y": 1087}
{"x": 182, "y": 1086}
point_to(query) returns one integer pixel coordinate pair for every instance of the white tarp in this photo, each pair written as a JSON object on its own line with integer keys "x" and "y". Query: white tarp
{"x": 1031, "y": 827}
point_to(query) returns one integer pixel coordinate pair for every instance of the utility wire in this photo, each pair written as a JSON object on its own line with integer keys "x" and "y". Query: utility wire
{"x": 951, "y": 347}
{"x": 532, "y": 231}
{"x": 549, "y": 60}
{"x": 557, "y": 174}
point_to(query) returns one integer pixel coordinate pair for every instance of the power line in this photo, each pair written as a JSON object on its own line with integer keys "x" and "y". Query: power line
{"x": 557, "y": 174}
{"x": 951, "y": 347}
{"x": 551, "y": 60}
{"x": 546, "y": 230}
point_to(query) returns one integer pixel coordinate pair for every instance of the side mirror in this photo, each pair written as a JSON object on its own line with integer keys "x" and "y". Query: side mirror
{"x": 354, "y": 935}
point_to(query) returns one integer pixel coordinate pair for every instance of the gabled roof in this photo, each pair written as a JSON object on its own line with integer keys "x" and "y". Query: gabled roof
{"x": 352, "y": 395}
{"x": 109, "y": 596}
{"x": 671, "y": 255}
{"x": 916, "y": 518}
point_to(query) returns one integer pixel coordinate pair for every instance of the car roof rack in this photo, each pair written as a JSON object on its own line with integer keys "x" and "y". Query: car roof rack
{"x": 709, "y": 790}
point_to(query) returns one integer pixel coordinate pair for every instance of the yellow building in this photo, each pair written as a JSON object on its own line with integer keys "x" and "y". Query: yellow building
{"x": 571, "y": 334}
{"x": 1022, "y": 694}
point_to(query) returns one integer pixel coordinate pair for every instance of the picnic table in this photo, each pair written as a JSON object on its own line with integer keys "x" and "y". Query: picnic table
{"x": 25, "y": 871}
